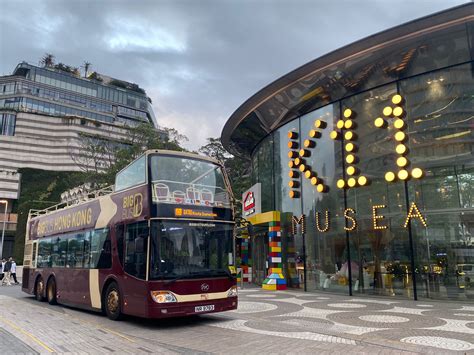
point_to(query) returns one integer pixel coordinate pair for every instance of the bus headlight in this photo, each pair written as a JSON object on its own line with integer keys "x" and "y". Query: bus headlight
{"x": 163, "y": 297}
{"x": 232, "y": 292}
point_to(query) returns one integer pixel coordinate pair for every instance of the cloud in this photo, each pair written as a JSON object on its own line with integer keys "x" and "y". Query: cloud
{"x": 197, "y": 60}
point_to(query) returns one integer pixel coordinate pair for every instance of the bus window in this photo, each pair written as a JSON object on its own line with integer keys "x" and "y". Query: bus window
{"x": 136, "y": 238}
{"x": 87, "y": 250}
{"x": 59, "y": 251}
{"x": 101, "y": 257}
{"x": 133, "y": 175}
{"x": 75, "y": 255}
{"x": 44, "y": 253}
{"x": 119, "y": 237}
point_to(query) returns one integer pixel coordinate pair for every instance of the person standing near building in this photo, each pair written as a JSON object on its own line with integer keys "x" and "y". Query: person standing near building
{"x": 1, "y": 268}
{"x": 13, "y": 271}
{"x": 6, "y": 272}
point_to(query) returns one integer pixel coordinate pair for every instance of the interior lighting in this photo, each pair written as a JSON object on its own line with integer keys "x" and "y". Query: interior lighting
{"x": 292, "y": 154}
{"x": 351, "y": 170}
{"x": 352, "y": 219}
{"x": 334, "y": 135}
{"x": 303, "y": 167}
{"x": 401, "y": 149}
{"x": 293, "y": 174}
{"x": 308, "y": 174}
{"x": 292, "y": 145}
{"x": 319, "y": 124}
{"x": 314, "y": 134}
{"x": 397, "y": 111}
{"x": 350, "y": 158}
{"x": 314, "y": 180}
{"x": 390, "y": 176}
{"x": 400, "y": 136}
{"x": 379, "y": 122}
{"x": 351, "y": 182}
{"x": 308, "y": 143}
{"x": 417, "y": 173}
{"x": 350, "y": 147}
{"x": 298, "y": 161}
{"x": 320, "y": 188}
{"x": 293, "y": 184}
{"x": 403, "y": 174}
{"x": 397, "y": 99}
{"x": 292, "y": 135}
{"x": 304, "y": 153}
{"x": 349, "y": 124}
{"x": 341, "y": 183}
{"x": 362, "y": 180}
{"x": 375, "y": 216}
{"x": 402, "y": 161}
{"x": 347, "y": 113}
{"x": 349, "y": 135}
{"x": 387, "y": 111}
{"x": 291, "y": 163}
{"x": 340, "y": 124}
{"x": 416, "y": 214}
{"x": 399, "y": 123}
{"x": 294, "y": 194}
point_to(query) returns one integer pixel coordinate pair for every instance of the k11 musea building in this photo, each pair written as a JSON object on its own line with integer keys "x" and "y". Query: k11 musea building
{"x": 365, "y": 164}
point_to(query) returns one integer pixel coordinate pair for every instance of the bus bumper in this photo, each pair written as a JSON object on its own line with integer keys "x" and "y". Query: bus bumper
{"x": 183, "y": 309}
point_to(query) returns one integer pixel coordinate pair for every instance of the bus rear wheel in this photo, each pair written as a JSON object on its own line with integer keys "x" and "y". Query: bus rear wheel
{"x": 113, "y": 301}
{"x": 39, "y": 289}
{"x": 51, "y": 292}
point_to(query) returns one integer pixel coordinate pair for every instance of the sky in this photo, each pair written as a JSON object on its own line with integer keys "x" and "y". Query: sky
{"x": 198, "y": 60}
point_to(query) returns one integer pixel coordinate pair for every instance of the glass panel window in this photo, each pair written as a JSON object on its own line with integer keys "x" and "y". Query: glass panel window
{"x": 136, "y": 240}
{"x": 44, "y": 253}
{"x": 133, "y": 175}
{"x": 75, "y": 255}
{"x": 101, "y": 256}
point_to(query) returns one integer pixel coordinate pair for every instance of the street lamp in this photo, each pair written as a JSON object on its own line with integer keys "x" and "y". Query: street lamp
{"x": 3, "y": 229}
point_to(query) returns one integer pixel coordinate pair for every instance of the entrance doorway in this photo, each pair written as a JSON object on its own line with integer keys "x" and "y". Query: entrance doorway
{"x": 259, "y": 257}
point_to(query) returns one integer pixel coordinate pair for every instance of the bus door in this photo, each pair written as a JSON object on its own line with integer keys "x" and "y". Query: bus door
{"x": 135, "y": 254}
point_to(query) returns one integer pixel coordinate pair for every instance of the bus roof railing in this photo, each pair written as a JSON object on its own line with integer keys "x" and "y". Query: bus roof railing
{"x": 76, "y": 197}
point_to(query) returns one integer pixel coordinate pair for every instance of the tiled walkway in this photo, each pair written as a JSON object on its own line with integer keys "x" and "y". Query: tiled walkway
{"x": 279, "y": 322}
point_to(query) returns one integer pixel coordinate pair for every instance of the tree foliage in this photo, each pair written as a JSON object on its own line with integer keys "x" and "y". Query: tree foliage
{"x": 101, "y": 159}
{"x": 238, "y": 169}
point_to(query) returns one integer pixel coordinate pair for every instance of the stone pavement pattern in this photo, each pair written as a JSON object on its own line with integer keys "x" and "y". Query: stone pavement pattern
{"x": 266, "y": 322}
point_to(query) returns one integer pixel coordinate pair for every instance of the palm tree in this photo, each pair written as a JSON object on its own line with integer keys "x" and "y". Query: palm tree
{"x": 47, "y": 60}
{"x": 86, "y": 67}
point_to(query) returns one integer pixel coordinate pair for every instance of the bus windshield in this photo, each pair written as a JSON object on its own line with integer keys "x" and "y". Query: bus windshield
{"x": 184, "y": 180}
{"x": 187, "y": 249}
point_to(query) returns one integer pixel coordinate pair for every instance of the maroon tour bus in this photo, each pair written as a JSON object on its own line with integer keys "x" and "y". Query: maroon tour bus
{"x": 157, "y": 244}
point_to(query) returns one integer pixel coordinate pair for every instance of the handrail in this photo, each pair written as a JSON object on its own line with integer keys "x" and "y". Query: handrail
{"x": 86, "y": 196}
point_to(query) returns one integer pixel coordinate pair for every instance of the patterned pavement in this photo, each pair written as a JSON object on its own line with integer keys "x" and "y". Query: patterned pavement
{"x": 278, "y": 322}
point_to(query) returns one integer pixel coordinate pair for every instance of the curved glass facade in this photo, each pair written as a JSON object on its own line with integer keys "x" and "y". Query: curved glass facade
{"x": 380, "y": 254}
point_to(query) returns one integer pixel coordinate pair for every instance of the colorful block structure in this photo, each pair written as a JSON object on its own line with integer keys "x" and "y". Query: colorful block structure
{"x": 275, "y": 279}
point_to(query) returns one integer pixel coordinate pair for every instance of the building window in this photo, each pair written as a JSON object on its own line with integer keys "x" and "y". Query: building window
{"x": 7, "y": 124}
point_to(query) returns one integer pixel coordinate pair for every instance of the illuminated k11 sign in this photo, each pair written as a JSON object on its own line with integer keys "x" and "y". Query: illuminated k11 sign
{"x": 251, "y": 201}
{"x": 345, "y": 130}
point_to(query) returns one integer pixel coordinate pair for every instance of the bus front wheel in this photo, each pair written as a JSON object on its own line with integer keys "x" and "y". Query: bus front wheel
{"x": 39, "y": 289}
{"x": 51, "y": 292}
{"x": 113, "y": 302}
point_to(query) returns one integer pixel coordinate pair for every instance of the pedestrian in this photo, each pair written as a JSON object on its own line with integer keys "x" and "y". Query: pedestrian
{"x": 6, "y": 272}
{"x": 1, "y": 268}
{"x": 13, "y": 271}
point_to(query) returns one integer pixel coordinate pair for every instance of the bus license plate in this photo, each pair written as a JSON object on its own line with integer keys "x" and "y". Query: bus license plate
{"x": 204, "y": 308}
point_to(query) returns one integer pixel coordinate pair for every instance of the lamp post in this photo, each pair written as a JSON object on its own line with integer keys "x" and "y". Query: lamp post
{"x": 3, "y": 229}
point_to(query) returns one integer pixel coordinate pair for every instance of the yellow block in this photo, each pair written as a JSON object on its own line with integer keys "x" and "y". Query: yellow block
{"x": 267, "y": 217}
{"x": 277, "y": 270}
{"x": 275, "y": 249}
{"x": 269, "y": 287}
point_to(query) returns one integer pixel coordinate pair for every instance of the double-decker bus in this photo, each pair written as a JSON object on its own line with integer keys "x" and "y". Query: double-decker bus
{"x": 159, "y": 244}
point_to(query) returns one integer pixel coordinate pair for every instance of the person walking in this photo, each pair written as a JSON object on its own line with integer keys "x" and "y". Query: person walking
{"x": 1, "y": 268}
{"x": 13, "y": 271}
{"x": 6, "y": 272}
